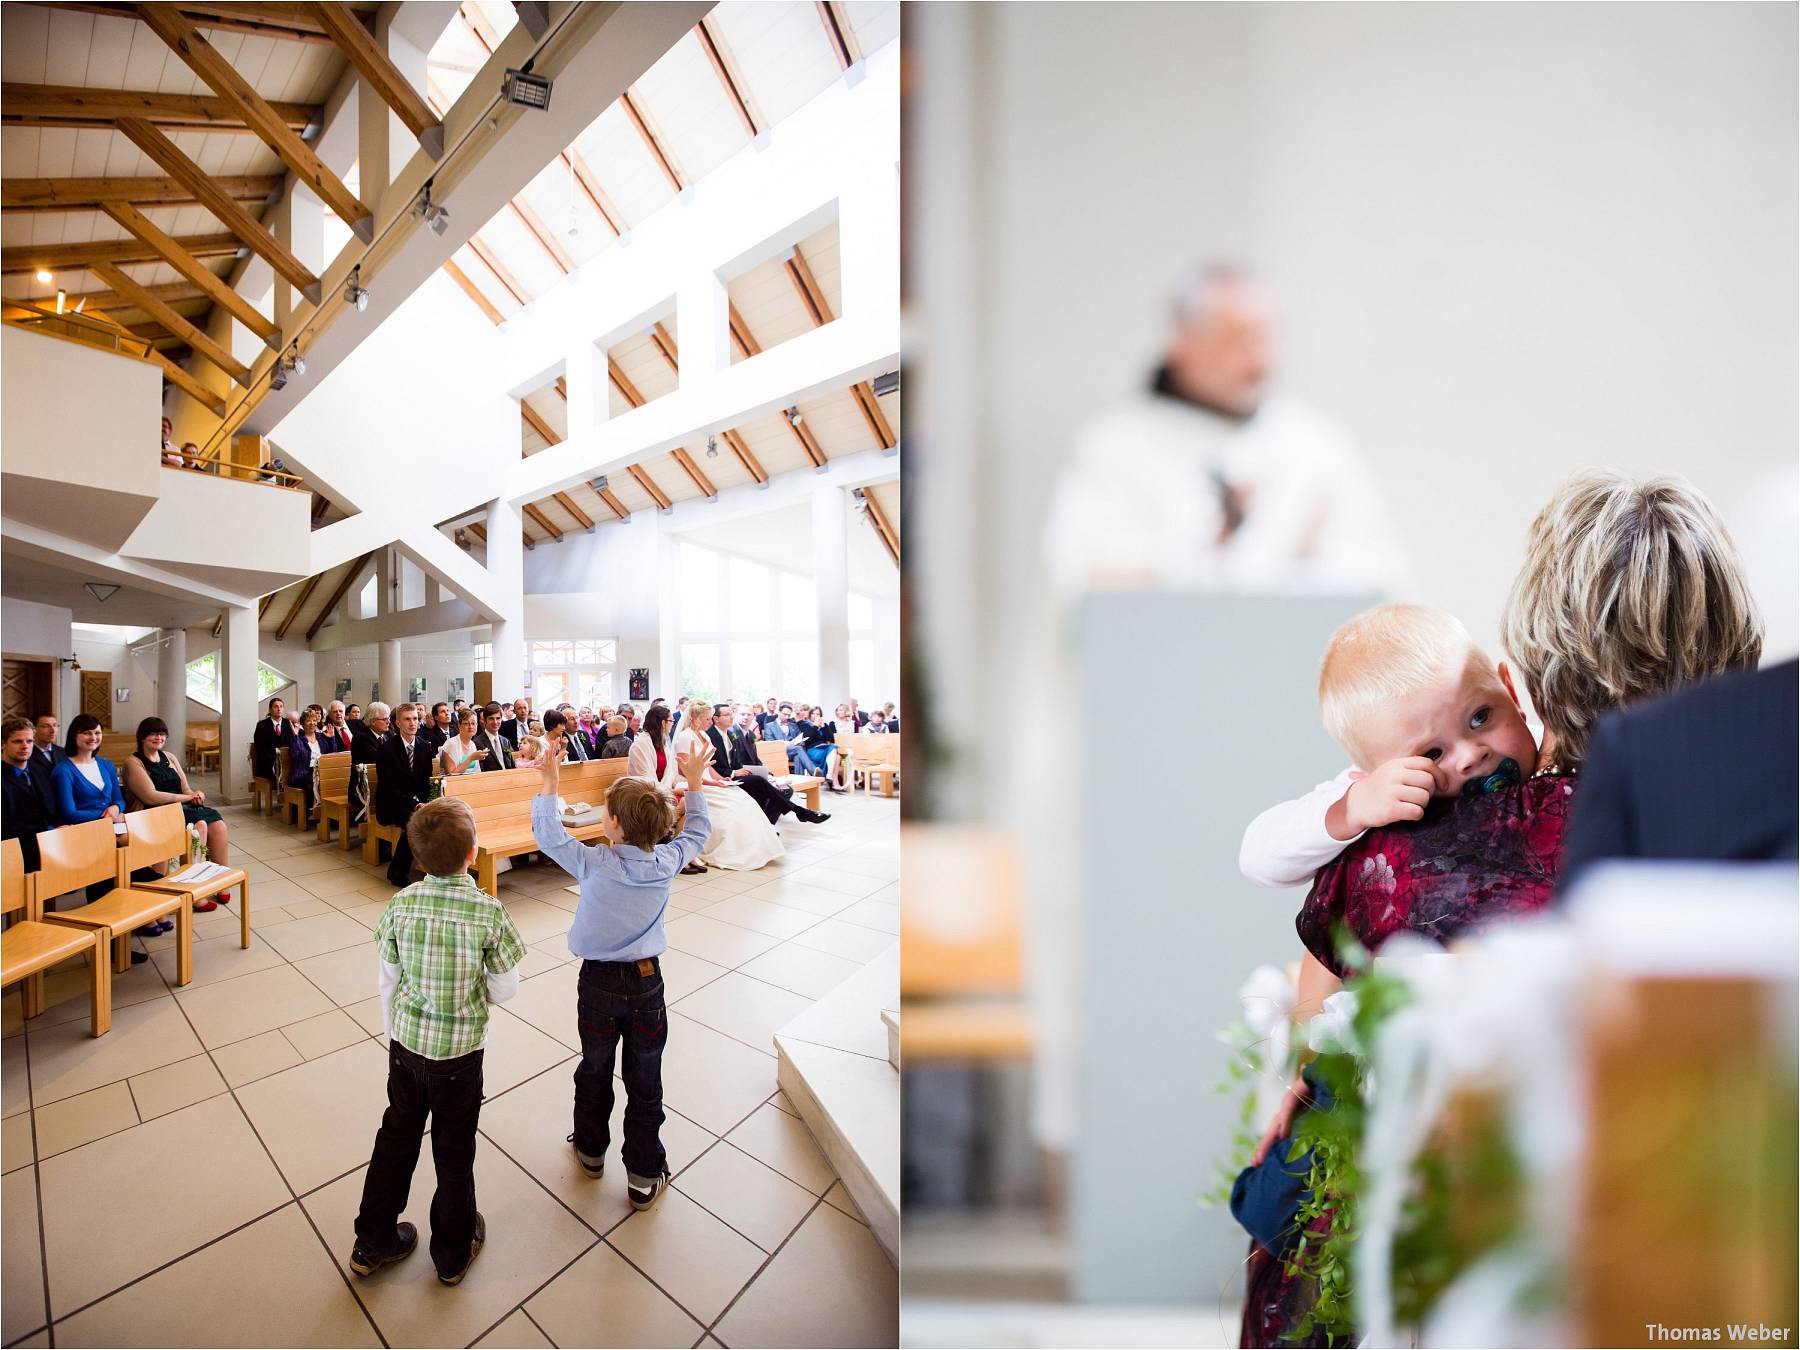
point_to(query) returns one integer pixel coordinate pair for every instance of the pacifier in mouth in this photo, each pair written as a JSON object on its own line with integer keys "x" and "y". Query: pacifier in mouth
{"x": 1505, "y": 776}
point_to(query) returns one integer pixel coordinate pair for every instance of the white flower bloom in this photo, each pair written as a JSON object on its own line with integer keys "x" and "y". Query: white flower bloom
{"x": 1331, "y": 1032}
{"x": 1268, "y": 996}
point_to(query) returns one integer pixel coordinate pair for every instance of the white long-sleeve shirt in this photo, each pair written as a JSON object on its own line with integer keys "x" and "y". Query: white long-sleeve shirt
{"x": 1286, "y": 844}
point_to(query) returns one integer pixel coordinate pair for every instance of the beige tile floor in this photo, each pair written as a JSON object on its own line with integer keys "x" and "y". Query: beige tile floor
{"x": 191, "y": 1177}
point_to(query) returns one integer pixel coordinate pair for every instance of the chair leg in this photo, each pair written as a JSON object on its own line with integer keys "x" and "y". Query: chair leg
{"x": 184, "y": 941}
{"x": 34, "y": 994}
{"x": 489, "y": 878}
{"x": 121, "y": 954}
{"x": 324, "y": 827}
{"x": 244, "y": 914}
{"x": 100, "y": 989}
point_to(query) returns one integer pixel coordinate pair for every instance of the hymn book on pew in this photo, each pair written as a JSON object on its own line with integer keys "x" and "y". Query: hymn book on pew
{"x": 199, "y": 873}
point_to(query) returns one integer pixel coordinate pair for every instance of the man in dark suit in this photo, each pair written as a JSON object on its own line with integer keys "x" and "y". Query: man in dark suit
{"x": 1705, "y": 772}
{"x": 518, "y": 725}
{"x": 46, "y": 749}
{"x": 499, "y": 754}
{"x": 736, "y": 759}
{"x": 25, "y": 808}
{"x": 403, "y": 781}
{"x": 561, "y": 726}
{"x": 766, "y": 714}
{"x": 366, "y": 741}
{"x": 440, "y": 728}
{"x": 271, "y": 734}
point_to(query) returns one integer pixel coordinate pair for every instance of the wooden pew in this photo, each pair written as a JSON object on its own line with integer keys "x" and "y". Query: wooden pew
{"x": 203, "y": 745}
{"x": 118, "y": 746}
{"x": 334, "y": 797}
{"x": 774, "y": 756}
{"x": 291, "y": 800}
{"x": 375, "y": 834}
{"x": 30, "y": 946}
{"x": 502, "y": 805}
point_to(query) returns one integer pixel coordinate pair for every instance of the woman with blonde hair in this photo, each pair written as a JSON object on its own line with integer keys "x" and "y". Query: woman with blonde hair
{"x": 1628, "y": 590}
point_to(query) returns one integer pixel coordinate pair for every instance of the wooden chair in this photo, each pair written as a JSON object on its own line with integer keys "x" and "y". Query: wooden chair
{"x": 118, "y": 746}
{"x": 881, "y": 764}
{"x": 375, "y": 834}
{"x": 156, "y": 836}
{"x": 203, "y": 746}
{"x": 79, "y": 855}
{"x": 262, "y": 791}
{"x": 30, "y": 946}
{"x": 774, "y": 757}
{"x": 334, "y": 797}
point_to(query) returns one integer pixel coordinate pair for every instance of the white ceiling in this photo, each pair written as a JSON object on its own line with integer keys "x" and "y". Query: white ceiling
{"x": 783, "y": 538}
{"x": 46, "y": 584}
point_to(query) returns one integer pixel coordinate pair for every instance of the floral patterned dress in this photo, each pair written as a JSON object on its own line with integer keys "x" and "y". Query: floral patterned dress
{"x": 1469, "y": 862}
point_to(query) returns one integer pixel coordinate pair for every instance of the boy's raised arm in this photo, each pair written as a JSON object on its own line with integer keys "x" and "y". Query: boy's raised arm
{"x": 547, "y": 831}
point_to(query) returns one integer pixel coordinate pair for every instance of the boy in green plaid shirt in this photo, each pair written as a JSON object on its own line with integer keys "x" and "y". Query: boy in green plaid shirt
{"x": 448, "y": 949}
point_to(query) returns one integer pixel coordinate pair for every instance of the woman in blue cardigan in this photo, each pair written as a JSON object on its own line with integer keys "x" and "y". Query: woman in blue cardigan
{"x": 85, "y": 787}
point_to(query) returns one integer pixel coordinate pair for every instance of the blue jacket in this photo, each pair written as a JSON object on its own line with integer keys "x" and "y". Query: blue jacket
{"x": 78, "y": 800}
{"x": 300, "y": 762}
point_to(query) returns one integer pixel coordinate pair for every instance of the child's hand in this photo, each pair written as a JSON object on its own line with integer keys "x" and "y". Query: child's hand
{"x": 1397, "y": 790}
{"x": 693, "y": 764}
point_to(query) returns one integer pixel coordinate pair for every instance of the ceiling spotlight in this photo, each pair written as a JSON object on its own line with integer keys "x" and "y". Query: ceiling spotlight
{"x": 712, "y": 447}
{"x": 355, "y": 293}
{"x": 79, "y": 303}
{"x": 278, "y": 377}
{"x": 44, "y": 276}
{"x": 62, "y": 298}
{"x": 438, "y": 217}
{"x": 297, "y": 363}
{"x": 100, "y": 591}
{"x": 887, "y": 384}
{"x": 522, "y": 89}
{"x": 462, "y": 539}
{"x": 288, "y": 363}
{"x": 793, "y": 417}
{"x": 598, "y": 484}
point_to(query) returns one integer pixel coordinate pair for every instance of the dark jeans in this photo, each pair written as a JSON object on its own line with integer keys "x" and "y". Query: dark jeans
{"x": 400, "y": 865}
{"x": 449, "y": 1091}
{"x": 621, "y": 1002}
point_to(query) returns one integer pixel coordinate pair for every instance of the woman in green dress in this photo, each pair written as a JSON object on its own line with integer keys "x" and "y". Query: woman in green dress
{"x": 153, "y": 777}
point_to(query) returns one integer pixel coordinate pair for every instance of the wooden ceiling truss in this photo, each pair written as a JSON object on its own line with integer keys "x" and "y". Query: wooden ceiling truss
{"x": 92, "y": 194}
{"x": 338, "y": 594}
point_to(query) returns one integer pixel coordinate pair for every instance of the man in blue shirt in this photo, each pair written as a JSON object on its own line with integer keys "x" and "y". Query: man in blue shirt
{"x": 618, "y": 934}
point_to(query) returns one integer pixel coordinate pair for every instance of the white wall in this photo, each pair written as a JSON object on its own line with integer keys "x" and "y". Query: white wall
{"x": 601, "y": 585}
{"x": 437, "y": 658}
{"x": 1507, "y": 242}
{"x": 30, "y": 629}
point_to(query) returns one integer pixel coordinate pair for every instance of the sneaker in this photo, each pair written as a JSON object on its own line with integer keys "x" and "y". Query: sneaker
{"x": 644, "y": 1190}
{"x": 366, "y": 1263}
{"x": 594, "y": 1167}
{"x": 474, "y": 1251}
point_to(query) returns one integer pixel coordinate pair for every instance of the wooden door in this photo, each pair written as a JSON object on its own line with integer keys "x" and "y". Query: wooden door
{"x": 484, "y": 687}
{"x": 27, "y": 688}
{"x": 96, "y": 695}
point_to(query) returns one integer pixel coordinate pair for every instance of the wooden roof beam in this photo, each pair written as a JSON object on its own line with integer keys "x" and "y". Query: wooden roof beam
{"x": 262, "y": 607}
{"x": 306, "y": 591}
{"x": 87, "y": 194}
{"x": 188, "y": 385}
{"x": 545, "y": 236}
{"x": 474, "y": 292}
{"x": 170, "y": 250}
{"x": 878, "y": 518}
{"x": 285, "y": 22}
{"x": 57, "y": 257}
{"x": 232, "y": 216}
{"x": 748, "y": 460}
{"x": 338, "y": 594}
{"x": 617, "y": 506}
{"x": 808, "y": 442}
{"x": 169, "y": 319}
{"x": 493, "y": 264}
{"x": 479, "y": 530}
{"x": 725, "y": 69}
{"x": 655, "y": 146}
{"x": 372, "y": 63}
{"x": 740, "y": 332}
{"x": 624, "y": 386}
{"x": 538, "y": 424}
{"x": 646, "y": 482}
{"x": 699, "y": 479}
{"x": 568, "y": 504}
{"x": 665, "y": 345}
{"x": 542, "y": 521}
{"x": 78, "y": 106}
{"x": 205, "y": 61}
{"x": 864, "y": 394}
{"x": 811, "y": 294}
{"x": 839, "y": 33}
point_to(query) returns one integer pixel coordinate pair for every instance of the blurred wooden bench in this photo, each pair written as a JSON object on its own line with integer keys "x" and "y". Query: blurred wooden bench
{"x": 262, "y": 790}
{"x": 30, "y": 946}
{"x": 203, "y": 745}
{"x": 375, "y": 834}
{"x": 774, "y": 757}
{"x": 961, "y": 966}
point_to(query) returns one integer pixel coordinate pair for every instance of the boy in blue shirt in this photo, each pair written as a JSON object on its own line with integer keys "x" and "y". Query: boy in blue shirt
{"x": 618, "y": 934}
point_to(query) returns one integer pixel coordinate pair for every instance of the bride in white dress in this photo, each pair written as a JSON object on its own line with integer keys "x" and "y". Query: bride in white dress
{"x": 742, "y": 838}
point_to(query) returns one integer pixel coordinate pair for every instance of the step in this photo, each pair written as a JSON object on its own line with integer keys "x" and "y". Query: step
{"x": 835, "y": 1070}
